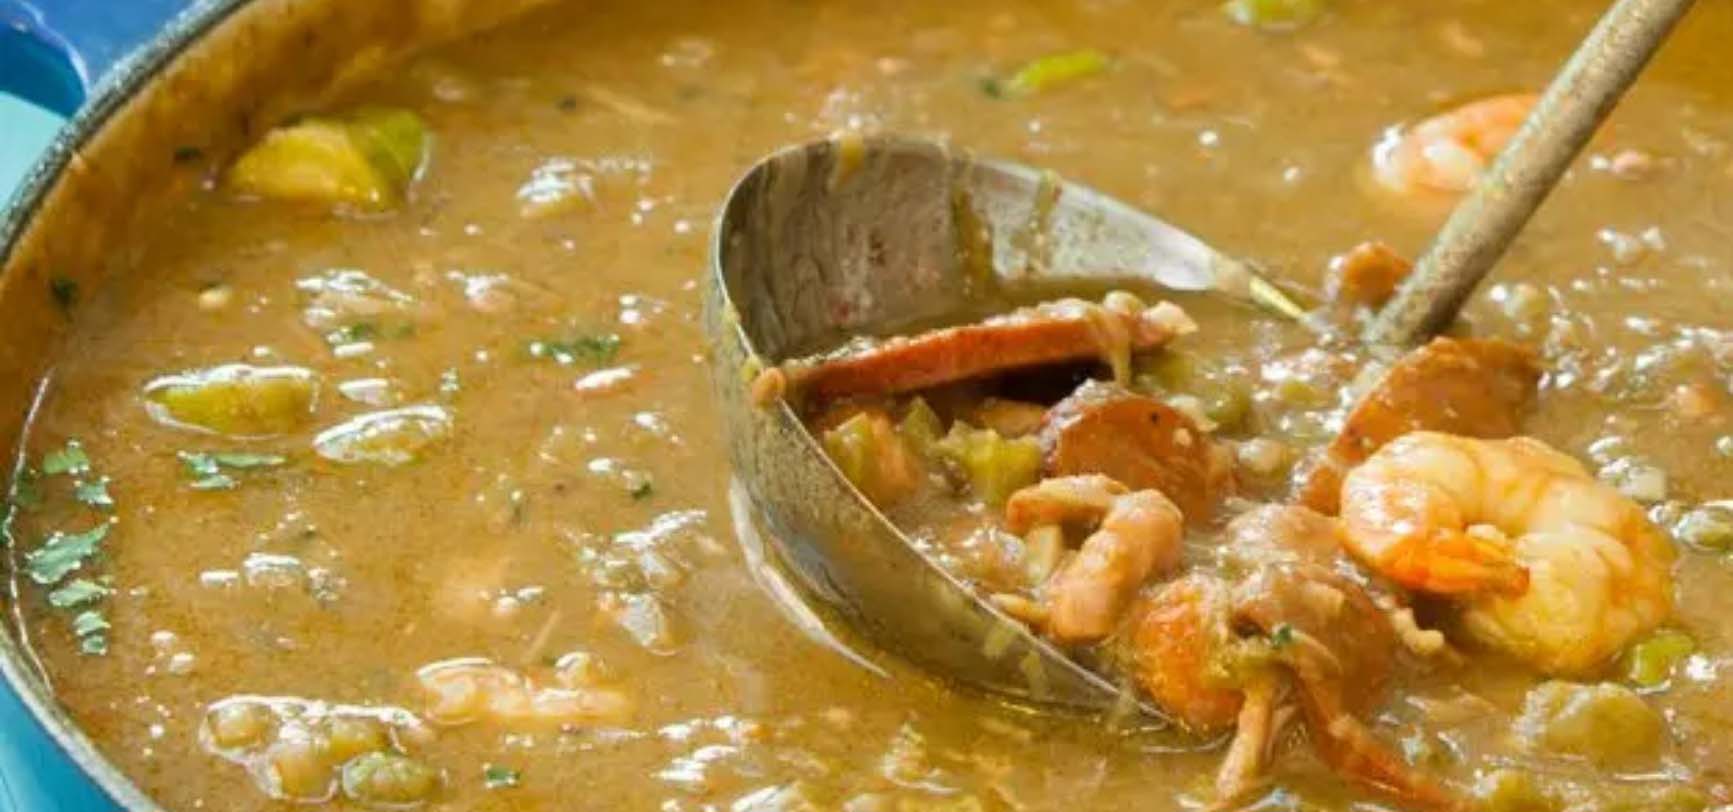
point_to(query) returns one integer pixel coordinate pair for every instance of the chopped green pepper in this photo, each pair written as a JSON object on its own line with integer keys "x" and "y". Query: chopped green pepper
{"x": 1275, "y": 15}
{"x": 994, "y": 466}
{"x": 1049, "y": 72}
{"x": 921, "y": 427}
{"x": 389, "y": 779}
{"x": 873, "y": 456}
{"x": 1606, "y": 723}
{"x": 1650, "y": 663}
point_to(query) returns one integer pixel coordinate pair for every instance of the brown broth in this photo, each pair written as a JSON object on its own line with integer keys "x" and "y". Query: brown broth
{"x": 1257, "y": 142}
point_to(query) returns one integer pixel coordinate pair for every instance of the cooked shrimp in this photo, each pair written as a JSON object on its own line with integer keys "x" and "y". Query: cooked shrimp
{"x": 1448, "y": 152}
{"x": 1191, "y": 652}
{"x": 1366, "y": 275}
{"x": 1469, "y": 386}
{"x": 1137, "y": 534}
{"x": 1051, "y": 332}
{"x": 1551, "y": 565}
{"x": 1179, "y": 641}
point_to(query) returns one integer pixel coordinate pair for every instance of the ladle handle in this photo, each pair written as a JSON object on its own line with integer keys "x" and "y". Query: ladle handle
{"x": 1489, "y": 217}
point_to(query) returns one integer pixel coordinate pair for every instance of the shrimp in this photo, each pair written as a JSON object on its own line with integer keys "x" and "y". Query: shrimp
{"x": 1217, "y": 655}
{"x": 1448, "y": 152}
{"x": 1051, "y": 332}
{"x": 1137, "y": 534}
{"x": 1475, "y": 386}
{"x": 1548, "y": 564}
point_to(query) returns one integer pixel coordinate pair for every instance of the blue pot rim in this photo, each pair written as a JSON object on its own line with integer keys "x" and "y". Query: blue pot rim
{"x": 130, "y": 75}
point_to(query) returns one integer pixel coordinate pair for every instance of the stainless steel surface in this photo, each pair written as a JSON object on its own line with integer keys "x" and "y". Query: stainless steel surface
{"x": 1486, "y": 221}
{"x": 829, "y": 240}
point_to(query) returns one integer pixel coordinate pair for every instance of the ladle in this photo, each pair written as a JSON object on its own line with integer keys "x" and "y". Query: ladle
{"x": 825, "y": 241}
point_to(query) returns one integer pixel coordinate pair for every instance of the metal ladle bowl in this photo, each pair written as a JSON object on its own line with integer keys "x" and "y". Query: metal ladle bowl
{"x": 826, "y": 241}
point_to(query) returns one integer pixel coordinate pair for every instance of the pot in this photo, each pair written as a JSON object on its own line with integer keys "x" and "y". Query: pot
{"x": 156, "y": 126}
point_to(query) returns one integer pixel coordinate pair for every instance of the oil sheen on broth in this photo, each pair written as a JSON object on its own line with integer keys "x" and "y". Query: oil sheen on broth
{"x": 486, "y": 562}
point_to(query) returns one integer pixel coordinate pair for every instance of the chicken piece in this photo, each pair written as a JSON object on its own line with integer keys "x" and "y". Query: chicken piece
{"x": 1470, "y": 387}
{"x": 1048, "y": 333}
{"x": 1366, "y": 275}
{"x": 1139, "y": 441}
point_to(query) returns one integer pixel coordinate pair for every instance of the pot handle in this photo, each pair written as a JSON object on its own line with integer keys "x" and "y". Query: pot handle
{"x": 51, "y": 52}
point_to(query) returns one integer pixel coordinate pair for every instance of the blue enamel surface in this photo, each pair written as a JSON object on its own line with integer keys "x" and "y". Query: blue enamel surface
{"x": 50, "y": 50}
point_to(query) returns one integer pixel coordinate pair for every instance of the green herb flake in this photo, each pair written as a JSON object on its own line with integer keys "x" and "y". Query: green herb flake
{"x": 187, "y": 154}
{"x": 353, "y": 333}
{"x": 590, "y": 350}
{"x": 65, "y": 292}
{"x": 206, "y": 471}
{"x": 68, "y": 460}
{"x": 91, "y": 629}
{"x": 94, "y": 493}
{"x": 77, "y": 592}
{"x": 495, "y": 776}
{"x": 1282, "y": 636}
{"x": 62, "y": 553}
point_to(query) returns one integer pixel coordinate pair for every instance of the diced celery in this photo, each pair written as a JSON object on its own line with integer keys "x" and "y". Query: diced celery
{"x": 921, "y": 427}
{"x": 238, "y": 400}
{"x": 873, "y": 456}
{"x": 390, "y": 779}
{"x": 366, "y": 159}
{"x": 1707, "y": 527}
{"x": 1049, "y": 72}
{"x": 994, "y": 466}
{"x": 1275, "y": 15}
{"x": 1650, "y": 662}
{"x": 1606, "y": 723}
{"x": 392, "y": 437}
{"x": 1512, "y": 790}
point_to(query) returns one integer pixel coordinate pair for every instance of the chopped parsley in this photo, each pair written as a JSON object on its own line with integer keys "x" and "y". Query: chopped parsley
{"x": 1282, "y": 636}
{"x": 209, "y": 470}
{"x": 62, "y": 553}
{"x": 65, "y": 292}
{"x": 641, "y": 488}
{"x": 68, "y": 460}
{"x": 353, "y": 333}
{"x": 94, "y": 493}
{"x": 77, "y": 592}
{"x": 588, "y": 350}
{"x": 92, "y": 630}
{"x": 495, "y": 776}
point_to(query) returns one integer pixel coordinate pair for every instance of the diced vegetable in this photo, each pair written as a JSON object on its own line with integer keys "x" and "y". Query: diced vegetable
{"x": 1650, "y": 662}
{"x": 921, "y": 428}
{"x": 1605, "y": 723}
{"x": 874, "y": 457}
{"x": 390, "y": 780}
{"x": 1275, "y": 15}
{"x": 392, "y": 437}
{"x": 1512, "y": 790}
{"x": 347, "y": 737}
{"x": 366, "y": 159}
{"x": 994, "y": 466}
{"x": 76, "y": 593}
{"x": 237, "y": 400}
{"x": 1707, "y": 527}
{"x": 1223, "y": 398}
{"x": 1049, "y": 72}
{"x": 235, "y": 725}
{"x": 298, "y": 768}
